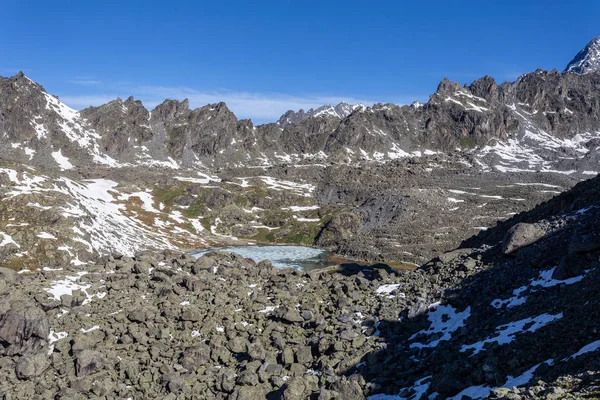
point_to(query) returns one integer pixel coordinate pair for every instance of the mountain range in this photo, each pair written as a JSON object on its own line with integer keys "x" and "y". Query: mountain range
{"x": 550, "y": 113}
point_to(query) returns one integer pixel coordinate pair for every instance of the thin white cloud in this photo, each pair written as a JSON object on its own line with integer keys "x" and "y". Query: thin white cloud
{"x": 84, "y": 82}
{"x": 260, "y": 107}
{"x": 80, "y": 102}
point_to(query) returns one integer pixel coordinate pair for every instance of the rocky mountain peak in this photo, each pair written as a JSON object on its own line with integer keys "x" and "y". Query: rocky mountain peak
{"x": 587, "y": 60}
{"x": 20, "y": 76}
{"x": 341, "y": 111}
{"x": 168, "y": 109}
{"x": 447, "y": 87}
{"x": 20, "y": 80}
{"x": 485, "y": 87}
{"x": 220, "y": 107}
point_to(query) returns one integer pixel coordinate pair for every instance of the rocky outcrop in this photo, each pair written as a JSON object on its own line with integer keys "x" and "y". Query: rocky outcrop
{"x": 339, "y": 228}
{"x": 123, "y": 125}
{"x": 522, "y": 235}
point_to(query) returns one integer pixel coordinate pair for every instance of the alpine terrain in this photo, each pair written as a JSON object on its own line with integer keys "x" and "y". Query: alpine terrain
{"x": 464, "y": 235}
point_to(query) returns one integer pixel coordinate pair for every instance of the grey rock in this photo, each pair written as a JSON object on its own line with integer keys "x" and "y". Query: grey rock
{"x": 288, "y": 314}
{"x": 250, "y": 393}
{"x": 30, "y": 366}
{"x": 348, "y": 389}
{"x": 23, "y": 326}
{"x": 191, "y": 314}
{"x": 454, "y": 254}
{"x": 300, "y": 388}
{"x": 89, "y": 362}
{"x": 521, "y": 235}
{"x": 238, "y": 345}
{"x": 137, "y": 315}
{"x": 304, "y": 355}
{"x": 8, "y": 275}
{"x": 194, "y": 357}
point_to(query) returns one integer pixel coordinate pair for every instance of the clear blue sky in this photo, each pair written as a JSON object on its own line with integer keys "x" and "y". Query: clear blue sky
{"x": 263, "y": 57}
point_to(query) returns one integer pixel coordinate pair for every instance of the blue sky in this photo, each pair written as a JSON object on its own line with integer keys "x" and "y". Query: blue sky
{"x": 265, "y": 57}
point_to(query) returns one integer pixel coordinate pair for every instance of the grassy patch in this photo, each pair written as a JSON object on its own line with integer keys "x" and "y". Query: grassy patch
{"x": 189, "y": 227}
{"x": 196, "y": 209}
{"x": 133, "y": 208}
{"x": 20, "y": 263}
{"x": 301, "y": 236}
{"x": 467, "y": 142}
{"x": 295, "y": 233}
{"x": 265, "y": 235}
{"x": 206, "y": 223}
{"x": 166, "y": 196}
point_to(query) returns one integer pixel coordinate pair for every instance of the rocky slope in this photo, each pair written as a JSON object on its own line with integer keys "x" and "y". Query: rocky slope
{"x": 474, "y": 322}
{"x": 51, "y": 218}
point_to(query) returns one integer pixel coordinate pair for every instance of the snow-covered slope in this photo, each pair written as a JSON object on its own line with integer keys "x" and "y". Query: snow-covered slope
{"x": 53, "y": 218}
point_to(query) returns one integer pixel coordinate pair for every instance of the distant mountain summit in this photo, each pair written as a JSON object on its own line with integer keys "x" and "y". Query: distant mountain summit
{"x": 342, "y": 110}
{"x": 587, "y": 60}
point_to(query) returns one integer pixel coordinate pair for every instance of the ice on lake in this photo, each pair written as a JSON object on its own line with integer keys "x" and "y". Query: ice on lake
{"x": 300, "y": 257}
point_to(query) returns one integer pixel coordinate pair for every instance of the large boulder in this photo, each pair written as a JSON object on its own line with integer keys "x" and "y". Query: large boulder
{"x": 89, "y": 362}
{"x": 24, "y": 327}
{"x": 258, "y": 392}
{"x": 7, "y": 278}
{"x": 521, "y": 235}
{"x": 32, "y": 365}
{"x": 300, "y": 388}
{"x": 341, "y": 227}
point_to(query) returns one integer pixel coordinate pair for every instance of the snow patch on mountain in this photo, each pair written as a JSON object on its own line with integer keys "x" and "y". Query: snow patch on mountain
{"x": 445, "y": 320}
{"x": 507, "y": 333}
{"x": 533, "y": 150}
{"x": 62, "y": 161}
